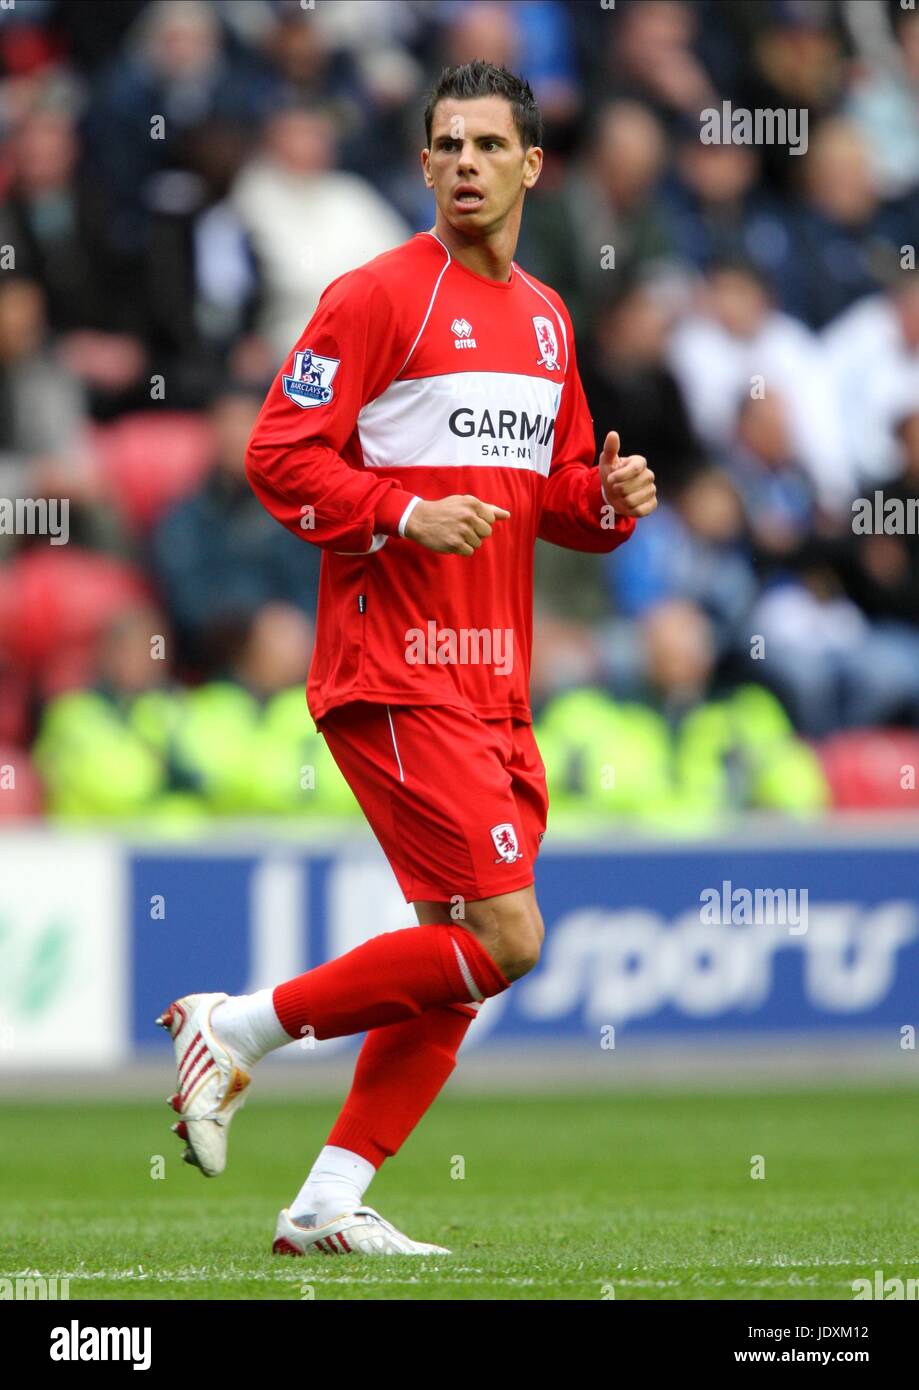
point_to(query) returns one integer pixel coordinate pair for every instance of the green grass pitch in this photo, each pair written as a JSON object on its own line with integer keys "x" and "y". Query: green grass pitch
{"x": 583, "y": 1196}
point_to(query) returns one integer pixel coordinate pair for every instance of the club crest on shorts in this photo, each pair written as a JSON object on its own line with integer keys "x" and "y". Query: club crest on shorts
{"x": 547, "y": 342}
{"x": 310, "y": 383}
{"x": 505, "y": 838}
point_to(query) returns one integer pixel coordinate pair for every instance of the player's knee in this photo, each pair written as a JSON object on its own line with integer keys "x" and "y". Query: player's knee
{"x": 516, "y": 960}
{"x": 519, "y": 943}
{"x": 511, "y": 931}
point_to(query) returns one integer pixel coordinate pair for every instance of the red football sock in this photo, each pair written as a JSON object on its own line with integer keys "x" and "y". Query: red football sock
{"x": 399, "y": 1072}
{"x": 392, "y": 977}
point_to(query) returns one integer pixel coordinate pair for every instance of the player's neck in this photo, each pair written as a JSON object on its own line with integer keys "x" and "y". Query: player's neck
{"x": 489, "y": 256}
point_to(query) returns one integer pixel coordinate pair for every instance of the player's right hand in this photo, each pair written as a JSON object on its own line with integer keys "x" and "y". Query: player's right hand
{"x": 454, "y": 525}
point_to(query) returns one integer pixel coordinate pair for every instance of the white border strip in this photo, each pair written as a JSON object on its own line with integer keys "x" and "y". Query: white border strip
{"x": 468, "y": 981}
{"x": 396, "y": 750}
{"x": 428, "y": 314}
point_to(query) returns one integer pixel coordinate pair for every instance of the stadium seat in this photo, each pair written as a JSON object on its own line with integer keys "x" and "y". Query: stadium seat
{"x": 63, "y": 599}
{"x": 24, "y": 797}
{"x": 152, "y": 459}
{"x": 14, "y": 702}
{"x": 872, "y": 769}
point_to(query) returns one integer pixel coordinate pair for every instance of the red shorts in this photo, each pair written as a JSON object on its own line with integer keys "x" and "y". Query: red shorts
{"x": 457, "y": 803}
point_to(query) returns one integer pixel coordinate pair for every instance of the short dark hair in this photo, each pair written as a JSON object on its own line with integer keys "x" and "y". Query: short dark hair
{"x": 482, "y": 79}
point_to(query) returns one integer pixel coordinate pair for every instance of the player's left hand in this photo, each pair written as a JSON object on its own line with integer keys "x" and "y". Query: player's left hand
{"x": 627, "y": 482}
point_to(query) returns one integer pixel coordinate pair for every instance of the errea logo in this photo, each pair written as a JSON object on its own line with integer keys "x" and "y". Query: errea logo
{"x": 462, "y": 329}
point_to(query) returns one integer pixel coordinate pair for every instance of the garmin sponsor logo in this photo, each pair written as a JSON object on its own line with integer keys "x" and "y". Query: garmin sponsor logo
{"x": 502, "y": 429}
{"x": 76, "y": 1343}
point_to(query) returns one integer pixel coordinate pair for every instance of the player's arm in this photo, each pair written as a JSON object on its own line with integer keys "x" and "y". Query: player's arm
{"x": 294, "y": 462}
{"x": 586, "y": 507}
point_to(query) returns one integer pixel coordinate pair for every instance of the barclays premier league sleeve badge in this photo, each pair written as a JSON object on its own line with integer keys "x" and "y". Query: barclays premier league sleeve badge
{"x": 311, "y": 380}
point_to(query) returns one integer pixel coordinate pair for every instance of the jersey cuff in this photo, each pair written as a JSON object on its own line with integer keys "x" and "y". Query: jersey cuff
{"x": 392, "y": 510}
{"x": 621, "y": 517}
{"x": 407, "y": 513}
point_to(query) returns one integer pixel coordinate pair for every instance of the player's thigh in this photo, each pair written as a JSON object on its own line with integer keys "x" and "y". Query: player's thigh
{"x": 453, "y": 808}
{"x": 508, "y": 923}
{"x": 435, "y": 788}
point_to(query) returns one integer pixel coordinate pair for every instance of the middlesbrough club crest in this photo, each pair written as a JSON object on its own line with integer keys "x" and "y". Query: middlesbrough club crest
{"x": 547, "y": 341}
{"x": 505, "y": 838}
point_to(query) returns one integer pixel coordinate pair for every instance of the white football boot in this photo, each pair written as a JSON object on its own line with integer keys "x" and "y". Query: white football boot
{"x": 362, "y": 1231}
{"x": 211, "y": 1085}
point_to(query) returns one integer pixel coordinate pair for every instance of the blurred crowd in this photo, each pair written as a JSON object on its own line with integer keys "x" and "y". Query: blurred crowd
{"x": 179, "y": 181}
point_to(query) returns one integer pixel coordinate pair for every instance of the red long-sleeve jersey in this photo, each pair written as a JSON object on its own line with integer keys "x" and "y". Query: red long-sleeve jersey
{"x": 418, "y": 378}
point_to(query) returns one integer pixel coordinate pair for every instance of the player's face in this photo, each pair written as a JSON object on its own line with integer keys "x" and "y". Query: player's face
{"x": 476, "y": 143}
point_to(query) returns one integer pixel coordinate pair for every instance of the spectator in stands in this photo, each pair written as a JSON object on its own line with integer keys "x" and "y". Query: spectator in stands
{"x": 247, "y": 736}
{"x": 651, "y": 58}
{"x": 42, "y": 406}
{"x": 718, "y": 210}
{"x": 359, "y": 75}
{"x": 777, "y": 494}
{"x": 137, "y": 745}
{"x": 58, "y": 219}
{"x": 307, "y": 222}
{"x": 872, "y": 352}
{"x": 679, "y": 758}
{"x": 201, "y": 280}
{"x": 628, "y": 382}
{"x": 880, "y": 569}
{"x": 832, "y": 667}
{"x": 796, "y": 63}
{"x": 604, "y": 221}
{"x": 566, "y": 653}
{"x": 736, "y": 342}
{"x": 109, "y": 751}
{"x": 531, "y": 36}
{"x": 192, "y": 249}
{"x": 268, "y": 649}
{"x": 218, "y": 553}
{"x": 174, "y": 73}
{"x": 840, "y": 227}
{"x": 883, "y": 103}
{"x": 697, "y": 549}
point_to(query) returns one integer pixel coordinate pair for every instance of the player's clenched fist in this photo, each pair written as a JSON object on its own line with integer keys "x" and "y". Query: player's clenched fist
{"x": 454, "y": 525}
{"x": 627, "y": 482}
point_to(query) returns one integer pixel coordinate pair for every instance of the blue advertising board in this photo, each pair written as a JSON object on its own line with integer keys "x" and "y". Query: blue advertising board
{"x": 687, "y": 939}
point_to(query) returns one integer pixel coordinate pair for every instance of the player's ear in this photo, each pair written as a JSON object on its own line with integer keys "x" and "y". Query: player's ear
{"x": 533, "y": 160}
